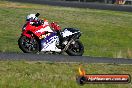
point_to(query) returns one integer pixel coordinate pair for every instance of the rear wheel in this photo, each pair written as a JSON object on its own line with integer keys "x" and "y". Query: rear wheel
{"x": 28, "y": 45}
{"x": 75, "y": 49}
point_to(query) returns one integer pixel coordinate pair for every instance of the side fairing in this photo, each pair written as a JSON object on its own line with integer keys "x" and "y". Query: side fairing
{"x": 49, "y": 43}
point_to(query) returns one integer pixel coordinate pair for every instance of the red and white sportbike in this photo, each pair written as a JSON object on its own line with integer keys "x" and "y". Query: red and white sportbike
{"x": 38, "y": 35}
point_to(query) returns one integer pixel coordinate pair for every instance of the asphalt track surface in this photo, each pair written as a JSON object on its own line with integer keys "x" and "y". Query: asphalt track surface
{"x": 65, "y": 58}
{"x": 126, "y": 8}
{"x": 62, "y": 58}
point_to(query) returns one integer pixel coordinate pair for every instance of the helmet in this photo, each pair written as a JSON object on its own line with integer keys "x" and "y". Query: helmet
{"x": 31, "y": 17}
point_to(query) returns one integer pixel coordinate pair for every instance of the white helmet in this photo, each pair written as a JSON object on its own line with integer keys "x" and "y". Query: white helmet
{"x": 31, "y": 17}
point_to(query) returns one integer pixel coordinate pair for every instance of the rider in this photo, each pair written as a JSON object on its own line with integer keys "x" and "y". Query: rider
{"x": 33, "y": 19}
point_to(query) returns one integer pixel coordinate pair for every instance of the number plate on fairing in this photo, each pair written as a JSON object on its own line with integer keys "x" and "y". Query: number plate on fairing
{"x": 66, "y": 33}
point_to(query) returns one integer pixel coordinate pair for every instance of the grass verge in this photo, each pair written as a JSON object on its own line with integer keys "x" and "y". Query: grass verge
{"x": 24, "y": 74}
{"x": 105, "y": 33}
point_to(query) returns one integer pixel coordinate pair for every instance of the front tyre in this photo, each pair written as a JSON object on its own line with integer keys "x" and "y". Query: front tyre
{"x": 75, "y": 49}
{"x": 28, "y": 45}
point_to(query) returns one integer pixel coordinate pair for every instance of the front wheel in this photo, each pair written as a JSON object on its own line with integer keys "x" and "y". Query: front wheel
{"x": 75, "y": 49}
{"x": 28, "y": 45}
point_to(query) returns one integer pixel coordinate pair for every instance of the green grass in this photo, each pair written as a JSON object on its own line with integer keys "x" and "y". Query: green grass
{"x": 24, "y": 74}
{"x": 105, "y": 33}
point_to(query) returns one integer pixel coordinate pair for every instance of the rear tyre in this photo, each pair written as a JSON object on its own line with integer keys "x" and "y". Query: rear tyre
{"x": 28, "y": 45}
{"x": 76, "y": 49}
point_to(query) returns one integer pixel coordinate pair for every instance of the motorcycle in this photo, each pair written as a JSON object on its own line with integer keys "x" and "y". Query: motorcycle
{"x": 50, "y": 38}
